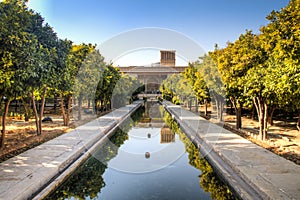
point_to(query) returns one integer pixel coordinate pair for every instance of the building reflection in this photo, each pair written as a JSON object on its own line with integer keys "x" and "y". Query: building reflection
{"x": 166, "y": 135}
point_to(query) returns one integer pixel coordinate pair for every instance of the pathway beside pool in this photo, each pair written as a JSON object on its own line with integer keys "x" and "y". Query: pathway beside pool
{"x": 252, "y": 171}
{"x": 25, "y": 175}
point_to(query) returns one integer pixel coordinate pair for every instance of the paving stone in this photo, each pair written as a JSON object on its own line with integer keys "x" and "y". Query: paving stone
{"x": 25, "y": 174}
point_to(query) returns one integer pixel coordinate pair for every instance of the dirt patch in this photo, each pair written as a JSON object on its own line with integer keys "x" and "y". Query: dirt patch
{"x": 21, "y": 136}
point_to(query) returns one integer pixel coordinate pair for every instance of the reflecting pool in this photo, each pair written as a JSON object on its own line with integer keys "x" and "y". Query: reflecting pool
{"x": 148, "y": 157}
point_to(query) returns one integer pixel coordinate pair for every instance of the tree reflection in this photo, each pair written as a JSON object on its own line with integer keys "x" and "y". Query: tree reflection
{"x": 87, "y": 180}
{"x": 209, "y": 181}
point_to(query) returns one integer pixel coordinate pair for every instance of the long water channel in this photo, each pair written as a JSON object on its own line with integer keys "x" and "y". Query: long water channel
{"x": 148, "y": 157}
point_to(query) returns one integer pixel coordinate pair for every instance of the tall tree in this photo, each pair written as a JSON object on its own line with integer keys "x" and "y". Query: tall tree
{"x": 76, "y": 59}
{"x": 176, "y": 89}
{"x": 19, "y": 52}
{"x": 233, "y": 63}
{"x": 195, "y": 79}
{"x": 209, "y": 71}
{"x": 45, "y": 72}
{"x": 107, "y": 86}
{"x": 91, "y": 75}
{"x": 201, "y": 90}
{"x": 64, "y": 83}
{"x": 281, "y": 40}
{"x": 125, "y": 89}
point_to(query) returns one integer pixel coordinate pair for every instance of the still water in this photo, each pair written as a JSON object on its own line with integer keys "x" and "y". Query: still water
{"x": 145, "y": 159}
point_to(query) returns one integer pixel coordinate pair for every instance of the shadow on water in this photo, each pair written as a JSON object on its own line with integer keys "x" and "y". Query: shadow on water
{"x": 87, "y": 182}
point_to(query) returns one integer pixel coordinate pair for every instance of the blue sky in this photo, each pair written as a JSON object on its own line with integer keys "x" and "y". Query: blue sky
{"x": 207, "y": 22}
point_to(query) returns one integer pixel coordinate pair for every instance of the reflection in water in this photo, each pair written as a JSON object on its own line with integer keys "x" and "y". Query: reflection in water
{"x": 208, "y": 178}
{"x": 166, "y": 135}
{"x": 87, "y": 180}
{"x": 147, "y": 155}
{"x": 168, "y": 176}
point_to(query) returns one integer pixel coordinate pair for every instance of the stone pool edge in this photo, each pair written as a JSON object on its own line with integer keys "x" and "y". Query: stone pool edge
{"x": 36, "y": 172}
{"x": 249, "y": 170}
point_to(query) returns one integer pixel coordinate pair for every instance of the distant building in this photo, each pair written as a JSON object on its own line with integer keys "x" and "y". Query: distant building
{"x": 152, "y": 76}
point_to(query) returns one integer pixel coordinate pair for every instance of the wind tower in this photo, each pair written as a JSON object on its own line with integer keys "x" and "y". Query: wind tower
{"x": 167, "y": 58}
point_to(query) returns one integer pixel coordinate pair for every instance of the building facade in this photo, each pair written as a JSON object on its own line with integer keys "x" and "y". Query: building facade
{"x": 152, "y": 76}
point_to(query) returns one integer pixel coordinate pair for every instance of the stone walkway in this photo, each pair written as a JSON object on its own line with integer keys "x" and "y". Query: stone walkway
{"x": 250, "y": 170}
{"x": 25, "y": 175}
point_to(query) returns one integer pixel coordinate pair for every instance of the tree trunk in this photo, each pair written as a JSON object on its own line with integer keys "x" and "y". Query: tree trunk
{"x": 69, "y": 110}
{"x": 238, "y": 112}
{"x": 62, "y": 107}
{"x": 298, "y": 122}
{"x": 106, "y": 105}
{"x": 26, "y": 108}
{"x": 35, "y": 113}
{"x": 256, "y": 102}
{"x": 7, "y": 102}
{"x": 231, "y": 106}
{"x": 94, "y": 107}
{"x": 270, "y": 115}
{"x": 220, "y": 106}
{"x": 261, "y": 121}
{"x": 265, "y": 121}
{"x": 217, "y": 107}
{"x": 79, "y": 107}
{"x": 221, "y": 111}
{"x": 102, "y": 106}
{"x": 197, "y": 106}
{"x": 262, "y": 111}
{"x": 239, "y": 117}
{"x": 54, "y": 103}
{"x": 205, "y": 109}
{"x": 42, "y": 109}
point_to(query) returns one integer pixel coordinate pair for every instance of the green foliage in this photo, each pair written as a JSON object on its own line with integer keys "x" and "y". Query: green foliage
{"x": 19, "y": 49}
{"x": 264, "y": 68}
{"x": 107, "y": 85}
{"x": 210, "y": 74}
{"x": 176, "y": 88}
{"x": 281, "y": 41}
{"x": 65, "y": 70}
{"x": 195, "y": 79}
{"x": 90, "y": 74}
{"x": 210, "y": 78}
{"x": 125, "y": 90}
{"x": 235, "y": 60}
{"x": 83, "y": 69}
